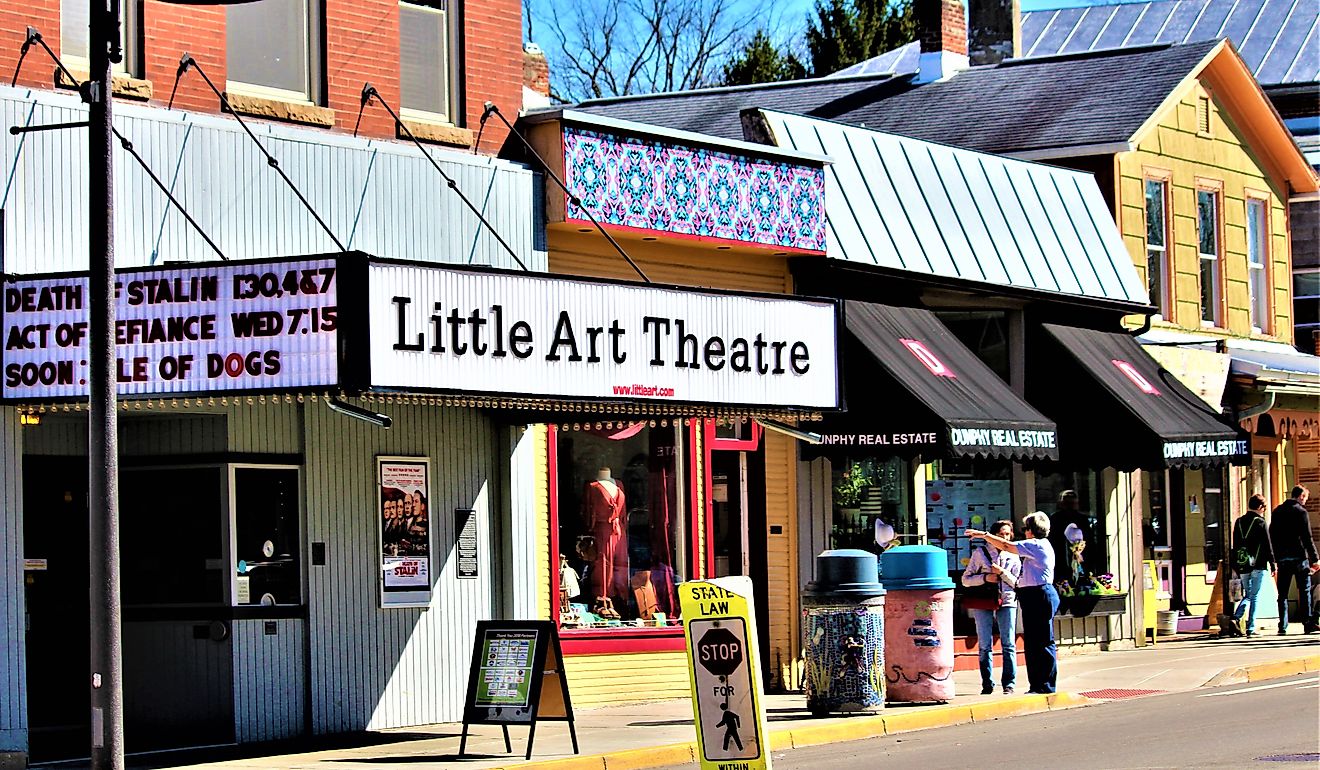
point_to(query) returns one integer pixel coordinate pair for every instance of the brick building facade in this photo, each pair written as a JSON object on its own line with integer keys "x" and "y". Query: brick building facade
{"x": 348, "y": 42}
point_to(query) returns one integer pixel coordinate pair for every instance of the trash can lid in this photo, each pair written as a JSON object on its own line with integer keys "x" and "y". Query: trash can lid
{"x": 847, "y": 573}
{"x": 915, "y": 568}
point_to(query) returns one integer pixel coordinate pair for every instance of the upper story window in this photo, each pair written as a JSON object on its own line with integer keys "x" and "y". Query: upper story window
{"x": 1157, "y": 238}
{"x": 1207, "y": 219}
{"x": 273, "y": 49}
{"x": 425, "y": 59}
{"x": 1258, "y": 233}
{"x": 74, "y": 33}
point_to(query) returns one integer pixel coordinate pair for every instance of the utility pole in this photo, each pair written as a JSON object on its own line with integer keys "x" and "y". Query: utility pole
{"x": 103, "y": 445}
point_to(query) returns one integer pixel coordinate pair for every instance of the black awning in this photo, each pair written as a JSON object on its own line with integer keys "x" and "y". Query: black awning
{"x": 1117, "y": 407}
{"x": 913, "y": 388}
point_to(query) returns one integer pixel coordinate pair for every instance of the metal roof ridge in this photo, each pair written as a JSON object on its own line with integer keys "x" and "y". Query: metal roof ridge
{"x": 957, "y": 149}
{"x": 1098, "y": 53}
{"x": 781, "y": 84}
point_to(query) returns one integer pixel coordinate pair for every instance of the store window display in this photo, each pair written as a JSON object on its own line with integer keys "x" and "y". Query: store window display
{"x": 621, "y": 527}
{"x": 867, "y": 490}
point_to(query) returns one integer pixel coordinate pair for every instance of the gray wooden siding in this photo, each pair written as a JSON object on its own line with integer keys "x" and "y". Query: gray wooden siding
{"x": 269, "y": 680}
{"x": 13, "y": 639}
{"x": 374, "y": 668}
{"x": 376, "y": 196}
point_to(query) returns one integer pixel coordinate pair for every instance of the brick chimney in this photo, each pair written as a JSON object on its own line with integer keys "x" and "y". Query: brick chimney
{"x": 536, "y": 74}
{"x": 994, "y": 31}
{"x": 942, "y": 30}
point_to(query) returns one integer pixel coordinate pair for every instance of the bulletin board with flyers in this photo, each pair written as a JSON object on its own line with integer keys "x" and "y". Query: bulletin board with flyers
{"x": 953, "y": 505}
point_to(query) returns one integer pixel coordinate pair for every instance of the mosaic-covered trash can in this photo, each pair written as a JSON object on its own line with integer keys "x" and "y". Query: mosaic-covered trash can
{"x": 918, "y": 624}
{"x": 843, "y": 627}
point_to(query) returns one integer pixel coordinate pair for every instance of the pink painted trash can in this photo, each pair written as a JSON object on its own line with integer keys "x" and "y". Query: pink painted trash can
{"x": 918, "y": 624}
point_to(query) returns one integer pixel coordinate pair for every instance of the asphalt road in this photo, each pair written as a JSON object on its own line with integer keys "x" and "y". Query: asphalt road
{"x": 1265, "y": 725}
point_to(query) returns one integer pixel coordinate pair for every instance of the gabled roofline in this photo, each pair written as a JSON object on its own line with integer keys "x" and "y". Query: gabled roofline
{"x": 799, "y": 83}
{"x": 1236, "y": 88}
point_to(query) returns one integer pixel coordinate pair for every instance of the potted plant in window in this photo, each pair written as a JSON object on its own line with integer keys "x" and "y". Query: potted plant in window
{"x": 848, "y": 491}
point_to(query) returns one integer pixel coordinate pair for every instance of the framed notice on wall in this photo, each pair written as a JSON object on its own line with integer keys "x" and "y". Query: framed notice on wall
{"x": 403, "y": 508}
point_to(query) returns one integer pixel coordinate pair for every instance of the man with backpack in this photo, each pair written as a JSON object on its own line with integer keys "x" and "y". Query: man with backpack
{"x": 1295, "y": 555}
{"x": 1250, "y": 555}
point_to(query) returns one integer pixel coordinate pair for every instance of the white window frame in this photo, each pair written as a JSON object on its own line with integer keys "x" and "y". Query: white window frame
{"x": 1215, "y": 258}
{"x": 451, "y": 48}
{"x": 312, "y": 14}
{"x": 1258, "y": 258}
{"x": 231, "y": 554}
{"x": 129, "y": 25}
{"x": 1164, "y": 304}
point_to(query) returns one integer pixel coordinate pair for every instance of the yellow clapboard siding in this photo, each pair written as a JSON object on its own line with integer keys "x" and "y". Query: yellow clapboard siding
{"x": 1192, "y": 158}
{"x": 596, "y": 680}
{"x": 781, "y": 557}
{"x": 542, "y": 475}
{"x": 685, "y": 263}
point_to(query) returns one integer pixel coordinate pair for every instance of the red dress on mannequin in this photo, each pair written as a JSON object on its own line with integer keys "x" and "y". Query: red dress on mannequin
{"x": 604, "y": 508}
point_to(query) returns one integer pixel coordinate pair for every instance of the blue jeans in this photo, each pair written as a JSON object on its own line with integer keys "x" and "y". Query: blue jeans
{"x": 1251, "y": 585}
{"x": 985, "y": 641}
{"x": 1039, "y": 604}
{"x": 1299, "y": 570}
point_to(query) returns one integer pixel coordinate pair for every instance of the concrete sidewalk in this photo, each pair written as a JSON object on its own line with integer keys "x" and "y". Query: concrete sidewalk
{"x": 661, "y": 733}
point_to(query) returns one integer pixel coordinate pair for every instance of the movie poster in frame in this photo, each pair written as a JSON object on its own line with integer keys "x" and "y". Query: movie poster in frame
{"x": 404, "y": 514}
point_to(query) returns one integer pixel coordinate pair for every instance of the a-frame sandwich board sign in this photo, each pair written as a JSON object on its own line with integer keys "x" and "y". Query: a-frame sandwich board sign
{"x": 517, "y": 677}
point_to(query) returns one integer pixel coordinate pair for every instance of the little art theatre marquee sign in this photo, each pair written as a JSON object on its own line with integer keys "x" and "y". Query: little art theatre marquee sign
{"x": 357, "y": 323}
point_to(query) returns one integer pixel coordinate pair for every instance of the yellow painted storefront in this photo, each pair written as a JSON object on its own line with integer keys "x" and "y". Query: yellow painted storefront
{"x": 601, "y": 678}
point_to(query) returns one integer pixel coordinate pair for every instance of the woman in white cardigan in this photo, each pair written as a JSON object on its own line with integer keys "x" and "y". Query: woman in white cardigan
{"x": 989, "y": 565}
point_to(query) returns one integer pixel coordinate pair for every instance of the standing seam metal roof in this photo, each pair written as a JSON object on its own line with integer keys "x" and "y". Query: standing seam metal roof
{"x": 1278, "y": 39}
{"x": 928, "y": 208}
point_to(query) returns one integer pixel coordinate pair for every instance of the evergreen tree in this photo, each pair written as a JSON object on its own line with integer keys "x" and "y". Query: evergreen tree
{"x": 846, "y": 32}
{"x": 761, "y": 62}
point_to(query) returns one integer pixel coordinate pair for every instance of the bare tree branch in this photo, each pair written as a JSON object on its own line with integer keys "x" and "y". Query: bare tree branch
{"x": 603, "y": 48}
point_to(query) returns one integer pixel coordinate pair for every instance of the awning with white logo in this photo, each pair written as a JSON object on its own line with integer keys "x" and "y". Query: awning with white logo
{"x": 913, "y": 388}
{"x": 1118, "y": 407}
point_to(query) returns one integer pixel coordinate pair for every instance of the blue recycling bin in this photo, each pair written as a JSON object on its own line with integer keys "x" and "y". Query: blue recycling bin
{"x": 918, "y": 624}
{"x": 843, "y": 628}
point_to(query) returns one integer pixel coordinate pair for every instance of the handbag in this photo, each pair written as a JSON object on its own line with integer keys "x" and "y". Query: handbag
{"x": 986, "y": 596}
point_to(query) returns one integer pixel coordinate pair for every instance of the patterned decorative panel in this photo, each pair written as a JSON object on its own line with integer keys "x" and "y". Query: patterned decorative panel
{"x": 670, "y": 188}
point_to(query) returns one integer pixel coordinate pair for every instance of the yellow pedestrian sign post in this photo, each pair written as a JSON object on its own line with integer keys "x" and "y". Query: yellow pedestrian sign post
{"x": 726, "y": 679}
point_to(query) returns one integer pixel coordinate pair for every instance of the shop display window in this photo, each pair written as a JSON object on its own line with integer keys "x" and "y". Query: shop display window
{"x": 266, "y": 536}
{"x": 962, "y": 493}
{"x": 866, "y": 490}
{"x": 622, "y": 531}
{"x": 1074, "y": 499}
{"x": 1215, "y": 519}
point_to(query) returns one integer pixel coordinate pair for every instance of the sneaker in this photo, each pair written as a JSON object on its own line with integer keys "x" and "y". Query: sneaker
{"x": 1250, "y": 634}
{"x": 1283, "y": 632}
{"x": 1313, "y": 629}
{"x": 1008, "y": 690}
{"x": 987, "y": 689}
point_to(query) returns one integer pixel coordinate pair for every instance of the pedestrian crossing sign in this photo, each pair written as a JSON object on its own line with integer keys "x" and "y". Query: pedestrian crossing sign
{"x": 726, "y": 683}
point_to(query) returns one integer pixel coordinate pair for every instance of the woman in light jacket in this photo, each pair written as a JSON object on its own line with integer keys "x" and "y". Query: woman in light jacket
{"x": 996, "y": 566}
{"x": 1036, "y": 596}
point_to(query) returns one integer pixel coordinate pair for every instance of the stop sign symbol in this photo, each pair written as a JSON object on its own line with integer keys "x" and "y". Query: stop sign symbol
{"x": 720, "y": 652}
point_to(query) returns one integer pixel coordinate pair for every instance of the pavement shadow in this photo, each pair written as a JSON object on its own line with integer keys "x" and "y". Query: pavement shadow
{"x": 409, "y": 759}
{"x": 342, "y": 742}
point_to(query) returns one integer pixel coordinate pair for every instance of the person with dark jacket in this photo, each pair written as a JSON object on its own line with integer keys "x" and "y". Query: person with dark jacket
{"x": 1250, "y": 555}
{"x": 1295, "y": 554}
